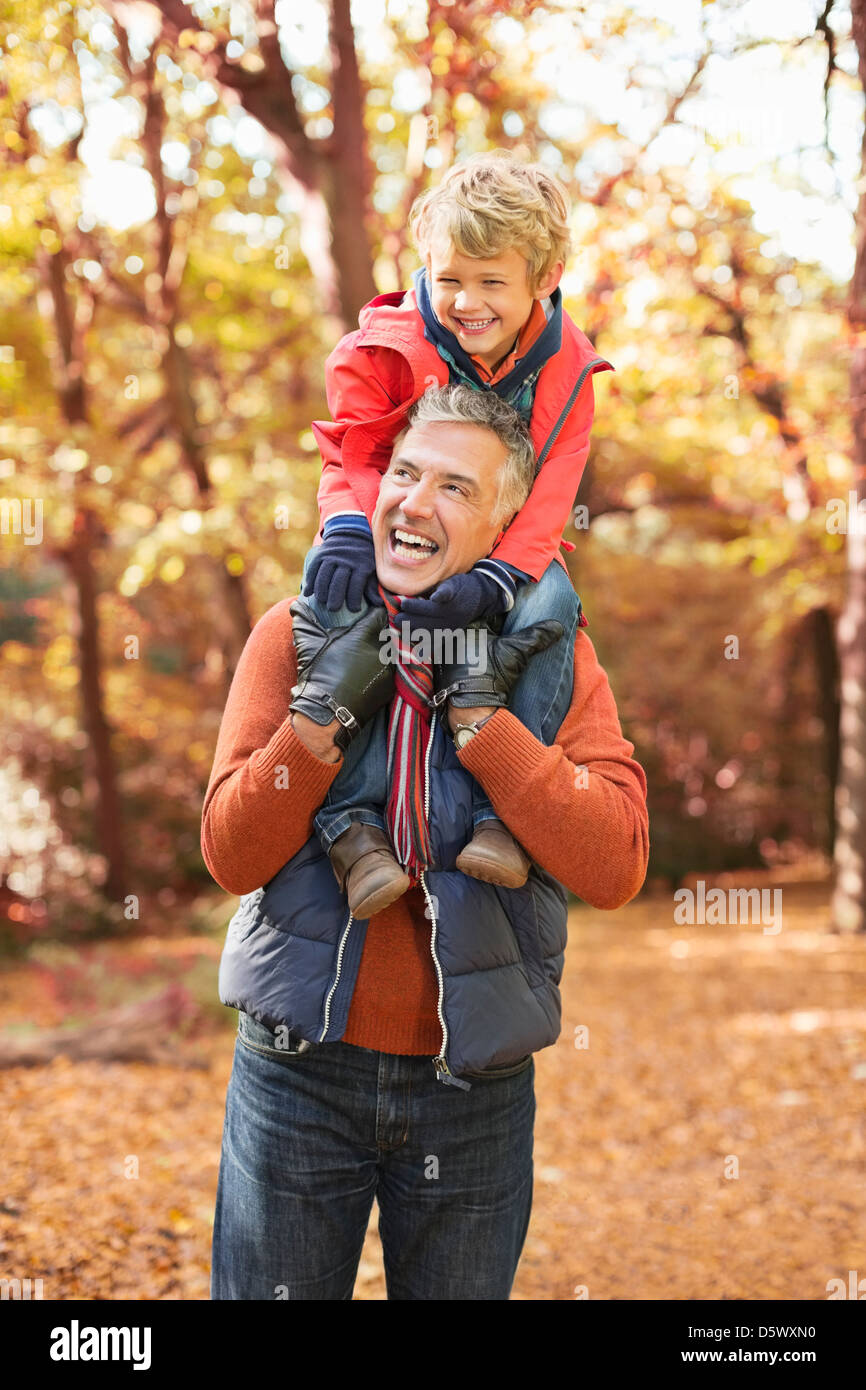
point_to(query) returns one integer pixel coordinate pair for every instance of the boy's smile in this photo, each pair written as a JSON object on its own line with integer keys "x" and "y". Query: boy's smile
{"x": 485, "y": 303}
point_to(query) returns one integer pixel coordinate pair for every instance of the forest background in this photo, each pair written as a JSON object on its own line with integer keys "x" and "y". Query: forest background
{"x": 197, "y": 202}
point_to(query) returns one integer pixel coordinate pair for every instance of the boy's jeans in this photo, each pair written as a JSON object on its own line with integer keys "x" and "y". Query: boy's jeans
{"x": 311, "y": 1138}
{"x": 359, "y": 791}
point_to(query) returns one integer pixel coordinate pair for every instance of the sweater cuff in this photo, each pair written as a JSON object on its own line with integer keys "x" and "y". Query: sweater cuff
{"x": 503, "y": 756}
{"x": 308, "y": 777}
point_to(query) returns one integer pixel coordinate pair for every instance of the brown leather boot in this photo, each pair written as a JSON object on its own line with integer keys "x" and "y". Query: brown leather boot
{"x": 364, "y": 863}
{"x": 494, "y": 856}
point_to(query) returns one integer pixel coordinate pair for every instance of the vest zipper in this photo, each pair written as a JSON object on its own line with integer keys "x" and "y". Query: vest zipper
{"x": 336, "y": 977}
{"x": 551, "y": 439}
{"x": 443, "y": 1071}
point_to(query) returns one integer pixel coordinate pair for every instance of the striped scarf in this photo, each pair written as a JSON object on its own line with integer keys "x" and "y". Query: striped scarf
{"x": 409, "y": 731}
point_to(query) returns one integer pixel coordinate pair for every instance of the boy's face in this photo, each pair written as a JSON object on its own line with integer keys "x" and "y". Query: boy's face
{"x": 485, "y": 303}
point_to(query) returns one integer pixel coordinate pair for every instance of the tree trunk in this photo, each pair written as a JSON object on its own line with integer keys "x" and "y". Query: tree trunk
{"x": 333, "y": 172}
{"x": 827, "y": 708}
{"x": 849, "y": 896}
{"x": 162, "y": 305}
{"x": 78, "y": 557}
{"x": 232, "y": 616}
{"x": 345, "y": 177}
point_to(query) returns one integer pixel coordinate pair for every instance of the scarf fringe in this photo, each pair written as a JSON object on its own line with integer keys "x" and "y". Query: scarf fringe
{"x": 410, "y": 728}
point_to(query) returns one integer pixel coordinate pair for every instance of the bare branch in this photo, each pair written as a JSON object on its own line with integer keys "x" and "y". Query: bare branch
{"x": 602, "y": 194}
{"x": 823, "y": 27}
{"x": 265, "y": 88}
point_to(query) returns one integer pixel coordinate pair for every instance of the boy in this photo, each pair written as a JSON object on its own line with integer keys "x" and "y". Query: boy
{"x": 485, "y": 310}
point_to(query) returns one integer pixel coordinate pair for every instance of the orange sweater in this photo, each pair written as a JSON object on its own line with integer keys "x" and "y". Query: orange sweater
{"x": 578, "y": 808}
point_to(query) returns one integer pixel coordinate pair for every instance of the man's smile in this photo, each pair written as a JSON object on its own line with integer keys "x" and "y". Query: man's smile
{"x": 409, "y": 546}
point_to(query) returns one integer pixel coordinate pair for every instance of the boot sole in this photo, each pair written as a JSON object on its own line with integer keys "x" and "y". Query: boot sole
{"x": 490, "y": 873}
{"x": 381, "y": 898}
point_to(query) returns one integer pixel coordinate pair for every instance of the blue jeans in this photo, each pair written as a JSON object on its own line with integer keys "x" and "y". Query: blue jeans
{"x": 359, "y": 791}
{"x": 311, "y": 1138}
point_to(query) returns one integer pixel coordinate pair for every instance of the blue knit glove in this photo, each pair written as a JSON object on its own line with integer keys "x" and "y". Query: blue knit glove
{"x": 343, "y": 570}
{"x": 457, "y": 602}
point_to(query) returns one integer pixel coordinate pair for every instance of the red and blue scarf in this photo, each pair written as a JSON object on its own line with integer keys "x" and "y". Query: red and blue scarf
{"x": 409, "y": 732}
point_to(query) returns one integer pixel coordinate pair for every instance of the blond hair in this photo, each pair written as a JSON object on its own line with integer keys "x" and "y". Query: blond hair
{"x": 492, "y": 203}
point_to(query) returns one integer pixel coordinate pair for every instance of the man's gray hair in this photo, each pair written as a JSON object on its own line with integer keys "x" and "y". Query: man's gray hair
{"x": 467, "y": 406}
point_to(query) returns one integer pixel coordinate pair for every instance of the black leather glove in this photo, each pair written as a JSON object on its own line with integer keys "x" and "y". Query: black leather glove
{"x": 490, "y": 679}
{"x": 341, "y": 570}
{"x": 341, "y": 671}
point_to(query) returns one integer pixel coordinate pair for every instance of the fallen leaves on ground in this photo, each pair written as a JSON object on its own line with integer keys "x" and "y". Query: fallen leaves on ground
{"x": 705, "y": 1138}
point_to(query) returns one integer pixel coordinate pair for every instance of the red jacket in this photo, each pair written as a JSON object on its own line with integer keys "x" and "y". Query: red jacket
{"x": 377, "y": 372}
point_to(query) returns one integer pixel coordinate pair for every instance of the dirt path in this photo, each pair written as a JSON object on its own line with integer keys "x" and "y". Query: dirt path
{"x": 708, "y": 1142}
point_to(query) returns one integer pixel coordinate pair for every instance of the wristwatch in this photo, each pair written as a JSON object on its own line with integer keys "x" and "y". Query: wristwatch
{"x": 464, "y": 732}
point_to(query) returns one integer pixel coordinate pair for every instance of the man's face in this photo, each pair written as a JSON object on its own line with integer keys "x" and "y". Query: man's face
{"x": 485, "y": 303}
{"x": 432, "y": 518}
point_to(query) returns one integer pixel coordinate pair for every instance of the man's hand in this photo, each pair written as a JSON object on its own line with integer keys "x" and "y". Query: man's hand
{"x": 319, "y": 738}
{"x": 468, "y": 716}
{"x": 341, "y": 671}
{"x": 488, "y": 681}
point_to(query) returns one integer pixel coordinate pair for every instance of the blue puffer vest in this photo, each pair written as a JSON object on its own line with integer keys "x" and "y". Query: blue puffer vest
{"x": 293, "y": 949}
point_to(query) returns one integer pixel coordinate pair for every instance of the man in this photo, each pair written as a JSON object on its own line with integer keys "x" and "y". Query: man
{"x": 348, "y": 1029}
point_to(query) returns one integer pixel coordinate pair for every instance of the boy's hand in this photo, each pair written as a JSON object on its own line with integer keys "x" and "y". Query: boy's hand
{"x": 343, "y": 570}
{"x": 457, "y": 602}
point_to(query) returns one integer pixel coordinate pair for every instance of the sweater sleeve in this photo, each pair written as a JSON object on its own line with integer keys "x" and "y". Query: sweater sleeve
{"x": 578, "y": 807}
{"x": 265, "y": 785}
